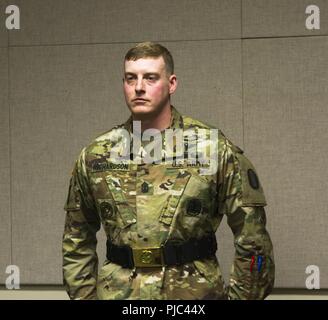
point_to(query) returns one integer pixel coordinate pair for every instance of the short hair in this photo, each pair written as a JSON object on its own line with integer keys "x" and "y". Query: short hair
{"x": 150, "y": 49}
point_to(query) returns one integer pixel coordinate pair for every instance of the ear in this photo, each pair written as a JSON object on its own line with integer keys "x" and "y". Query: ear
{"x": 173, "y": 83}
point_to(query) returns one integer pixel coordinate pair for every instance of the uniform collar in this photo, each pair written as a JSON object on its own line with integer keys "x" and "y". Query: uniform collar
{"x": 176, "y": 121}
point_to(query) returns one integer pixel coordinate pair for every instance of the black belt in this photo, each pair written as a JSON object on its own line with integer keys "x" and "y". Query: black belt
{"x": 171, "y": 253}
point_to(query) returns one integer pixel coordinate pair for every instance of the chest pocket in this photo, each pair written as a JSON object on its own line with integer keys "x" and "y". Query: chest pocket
{"x": 118, "y": 188}
{"x": 176, "y": 192}
{"x": 199, "y": 197}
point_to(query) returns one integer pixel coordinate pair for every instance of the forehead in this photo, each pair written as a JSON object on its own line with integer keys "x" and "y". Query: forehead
{"x": 145, "y": 65}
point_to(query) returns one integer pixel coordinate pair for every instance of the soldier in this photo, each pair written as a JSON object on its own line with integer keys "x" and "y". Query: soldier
{"x": 160, "y": 217}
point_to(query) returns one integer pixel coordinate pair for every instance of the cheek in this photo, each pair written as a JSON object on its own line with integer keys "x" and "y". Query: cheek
{"x": 127, "y": 90}
{"x": 158, "y": 91}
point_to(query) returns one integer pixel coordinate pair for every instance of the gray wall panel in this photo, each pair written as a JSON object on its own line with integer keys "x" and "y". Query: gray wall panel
{"x": 226, "y": 249}
{"x": 285, "y": 91}
{"x": 209, "y": 83}
{"x": 5, "y": 225}
{"x": 3, "y": 29}
{"x": 280, "y": 18}
{"x": 61, "y": 21}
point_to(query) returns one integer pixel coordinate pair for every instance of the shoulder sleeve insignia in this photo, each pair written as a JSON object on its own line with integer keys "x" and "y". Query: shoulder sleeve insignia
{"x": 252, "y": 191}
{"x": 253, "y": 179}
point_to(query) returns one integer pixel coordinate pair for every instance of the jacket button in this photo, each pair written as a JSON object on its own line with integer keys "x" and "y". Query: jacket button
{"x": 144, "y": 187}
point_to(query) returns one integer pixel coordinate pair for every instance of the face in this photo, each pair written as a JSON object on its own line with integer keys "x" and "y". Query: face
{"x": 147, "y": 87}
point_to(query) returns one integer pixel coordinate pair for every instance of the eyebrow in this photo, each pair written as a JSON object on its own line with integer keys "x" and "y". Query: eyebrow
{"x": 146, "y": 74}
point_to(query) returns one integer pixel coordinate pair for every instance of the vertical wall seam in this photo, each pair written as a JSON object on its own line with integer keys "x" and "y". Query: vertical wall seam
{"x": 10, "y": 149}
{"x": 242, "y": 73}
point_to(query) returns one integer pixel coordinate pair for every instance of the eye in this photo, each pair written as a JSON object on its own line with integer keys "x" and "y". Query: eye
{"x": 129, "y": 78}
{"x": 151, "y": 77}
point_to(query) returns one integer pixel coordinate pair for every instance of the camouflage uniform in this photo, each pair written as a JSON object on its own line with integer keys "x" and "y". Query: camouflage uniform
{"x": 144, "y": 205}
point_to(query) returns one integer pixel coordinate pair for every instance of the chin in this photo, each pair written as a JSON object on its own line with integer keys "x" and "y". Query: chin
{"x": 142, "y": 110}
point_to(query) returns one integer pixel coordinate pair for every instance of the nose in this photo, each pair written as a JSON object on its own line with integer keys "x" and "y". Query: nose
{"x": 139, "y": 85}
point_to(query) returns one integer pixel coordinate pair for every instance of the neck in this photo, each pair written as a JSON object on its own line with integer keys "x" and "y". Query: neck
{"x": 159, "y": 121}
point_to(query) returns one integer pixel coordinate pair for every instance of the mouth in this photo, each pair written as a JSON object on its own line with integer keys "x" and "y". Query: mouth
{"x": 140, "y": 100}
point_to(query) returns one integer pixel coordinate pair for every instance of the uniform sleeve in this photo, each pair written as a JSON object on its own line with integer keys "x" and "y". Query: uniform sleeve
{"x": 80, "y": 260}
{"x": 242, "y": 199}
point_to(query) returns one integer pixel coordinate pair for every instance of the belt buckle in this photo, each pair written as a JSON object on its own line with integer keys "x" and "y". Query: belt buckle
{"x": 147, "y": 257}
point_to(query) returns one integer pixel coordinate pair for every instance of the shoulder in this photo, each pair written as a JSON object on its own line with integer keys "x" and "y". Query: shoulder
{"x": 190, "y": 123}
{"x": 245, "y": 177}
{"x": 99, "y": 149}
{"x": 225, "y": 144}
{"x": 104, "y": 142}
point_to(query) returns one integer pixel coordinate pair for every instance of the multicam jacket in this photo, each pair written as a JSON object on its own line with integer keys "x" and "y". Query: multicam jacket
{"x": 144, "y": 205}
